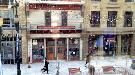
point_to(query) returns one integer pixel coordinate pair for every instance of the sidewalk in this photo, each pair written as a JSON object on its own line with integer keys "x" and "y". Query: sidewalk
{"x": 98, "y": 62}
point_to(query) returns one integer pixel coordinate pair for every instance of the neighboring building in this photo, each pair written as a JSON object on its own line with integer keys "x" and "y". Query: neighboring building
{"x": 109, "y": 27}
{"x": 8, "y": 53}
{"x": 54, "y": 29}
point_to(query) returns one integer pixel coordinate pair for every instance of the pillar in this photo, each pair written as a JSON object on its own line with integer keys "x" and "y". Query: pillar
{"x": 84, "y": 45}
{"x": 80, "y": 49}
{"x": 55, "y": 55}
{"x": 100, "y": 49}
{"x": 44, "y": 47}
{"x": 67, "y": 47}
{"x": 24, "y": 47}
{"x": 118, "y": 49}
{"x": 30, "y": 50}
{"x": 132, "y": 52}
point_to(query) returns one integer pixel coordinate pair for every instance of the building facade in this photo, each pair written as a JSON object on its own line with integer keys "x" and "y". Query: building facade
{"x": 68, "y": 30}
{"x": 54, "y": 30}
{"x": 8, "y": 37}
{"x": 109, "y": 27}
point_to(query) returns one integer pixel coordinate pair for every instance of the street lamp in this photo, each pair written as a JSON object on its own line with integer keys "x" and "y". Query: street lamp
{"x": 16, "y": 21}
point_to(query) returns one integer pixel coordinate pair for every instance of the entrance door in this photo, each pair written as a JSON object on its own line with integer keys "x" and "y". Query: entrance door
{"x": 109, "y": 46}
{"x": 50, "y": 50}
{"x": 37, "y": 50}
{"x": 61, "y": 52}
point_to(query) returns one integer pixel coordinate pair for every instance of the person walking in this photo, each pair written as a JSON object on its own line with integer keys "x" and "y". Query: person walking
{"x": 88, "y": 58}
{"x": 45, "y": 66}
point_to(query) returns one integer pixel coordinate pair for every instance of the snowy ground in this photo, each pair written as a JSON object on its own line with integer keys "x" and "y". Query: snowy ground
{"x": 98, "y": 62}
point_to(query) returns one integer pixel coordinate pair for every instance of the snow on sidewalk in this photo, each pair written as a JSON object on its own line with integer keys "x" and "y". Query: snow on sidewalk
{"x": 64, "y": 65}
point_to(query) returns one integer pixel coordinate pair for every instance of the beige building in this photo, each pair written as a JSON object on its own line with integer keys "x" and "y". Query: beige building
{"x": 64, "y": 30}
{"x": 109, "y": 27}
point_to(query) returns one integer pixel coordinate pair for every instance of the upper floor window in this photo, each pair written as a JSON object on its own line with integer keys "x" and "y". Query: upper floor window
{"x": 95, "y": 19}
{"x": 64, "y": 18}
{"x": 112, "y": 15}
{"x": 129, "y": 0}
{"x": 113, "y": 0}
{"x": 95, "y": 0}
{"x": 48, "y": 18}
{"x": 128, "y": 19}
{"x": 4, "y": 2}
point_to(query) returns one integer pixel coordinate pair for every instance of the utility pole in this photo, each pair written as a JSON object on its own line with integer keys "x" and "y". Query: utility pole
{"x": 16, "y": 20}
{"x": 0, "y": 40}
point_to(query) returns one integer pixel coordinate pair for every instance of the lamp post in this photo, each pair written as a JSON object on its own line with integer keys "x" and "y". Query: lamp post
{"x": 16, "y": 21}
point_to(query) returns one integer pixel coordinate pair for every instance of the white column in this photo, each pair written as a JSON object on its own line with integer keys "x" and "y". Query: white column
{"x": 55, "y": 48}
{"x": 30, "y": 50}
{"x": 67, "y": 47}
{"x": 81, "y": 49}
{"x": 45, "y": 47}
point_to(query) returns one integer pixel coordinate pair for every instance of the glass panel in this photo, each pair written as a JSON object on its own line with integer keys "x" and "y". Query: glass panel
{"x": 38, "y": 50}
{"x": 74, "y": 48}
{"x": 62, "y": 48}
{"x": 95, "y": 19}
{"x": 48, "y": 18}
{"x": 64, "y": 18}
{"x": 113, "y": 0}
{"x": 128, "y": 19}
{"x": 129, "y": 0}
{"x": 112, "y": 15}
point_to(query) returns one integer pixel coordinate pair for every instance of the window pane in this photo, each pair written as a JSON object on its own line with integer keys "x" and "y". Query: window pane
{"x": 113, "y": 0}
{"x": 128, "y": 19}
{"x": 129, "y": 0}
{"x": 64, "y": 18}
{"x": 95, "y": 0}
{"x": 48, "y": 18}
{"x": 95, "y": 19}
{"x": 112, "y": 15}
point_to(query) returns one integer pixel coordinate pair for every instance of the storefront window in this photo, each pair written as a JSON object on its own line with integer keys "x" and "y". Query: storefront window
{"x": 110, "y": 44}
{"x": 74, "y": 48}
{"x": 38, "y": 50}
{"x": 126, "y": 44}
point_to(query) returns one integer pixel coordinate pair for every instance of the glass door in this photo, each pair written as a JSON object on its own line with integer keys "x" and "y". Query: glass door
{"x": 50, "y": 52}
{"x": 50, "y": 48}
{"x": 61, "y": 49}
{"x": 37, "y": 50}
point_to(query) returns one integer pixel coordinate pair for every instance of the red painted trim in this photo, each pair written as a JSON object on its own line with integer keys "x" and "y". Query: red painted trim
{"x": 55, "y": 27}
{"x": 54, "y": 7}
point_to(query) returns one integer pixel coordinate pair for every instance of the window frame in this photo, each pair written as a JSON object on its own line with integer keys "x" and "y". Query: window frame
{"x": 64, "y": 18}
{"x": 111, "y": 20}
{"x": 47, "y": 20}
{"x": 127, "y": 17}
{"x": 129, "y": 1}
{"x": 93, "y": 19}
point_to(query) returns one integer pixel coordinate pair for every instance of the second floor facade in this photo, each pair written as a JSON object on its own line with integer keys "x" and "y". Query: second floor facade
{"x": 55, "y": 16}
{"x": 112, "y": 16}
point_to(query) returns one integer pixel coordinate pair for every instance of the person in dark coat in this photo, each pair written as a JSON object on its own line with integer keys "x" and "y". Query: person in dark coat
{"x": 88, "y": 58}
{"x": 45, "y": 66}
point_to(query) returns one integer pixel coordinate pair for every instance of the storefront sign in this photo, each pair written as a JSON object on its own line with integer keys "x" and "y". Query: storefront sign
{"x": 55, "y": 27}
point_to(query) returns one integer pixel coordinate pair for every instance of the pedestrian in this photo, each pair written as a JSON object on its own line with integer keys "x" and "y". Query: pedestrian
{"x": 45, "y": 66}
{"x": 88, "y": 58}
